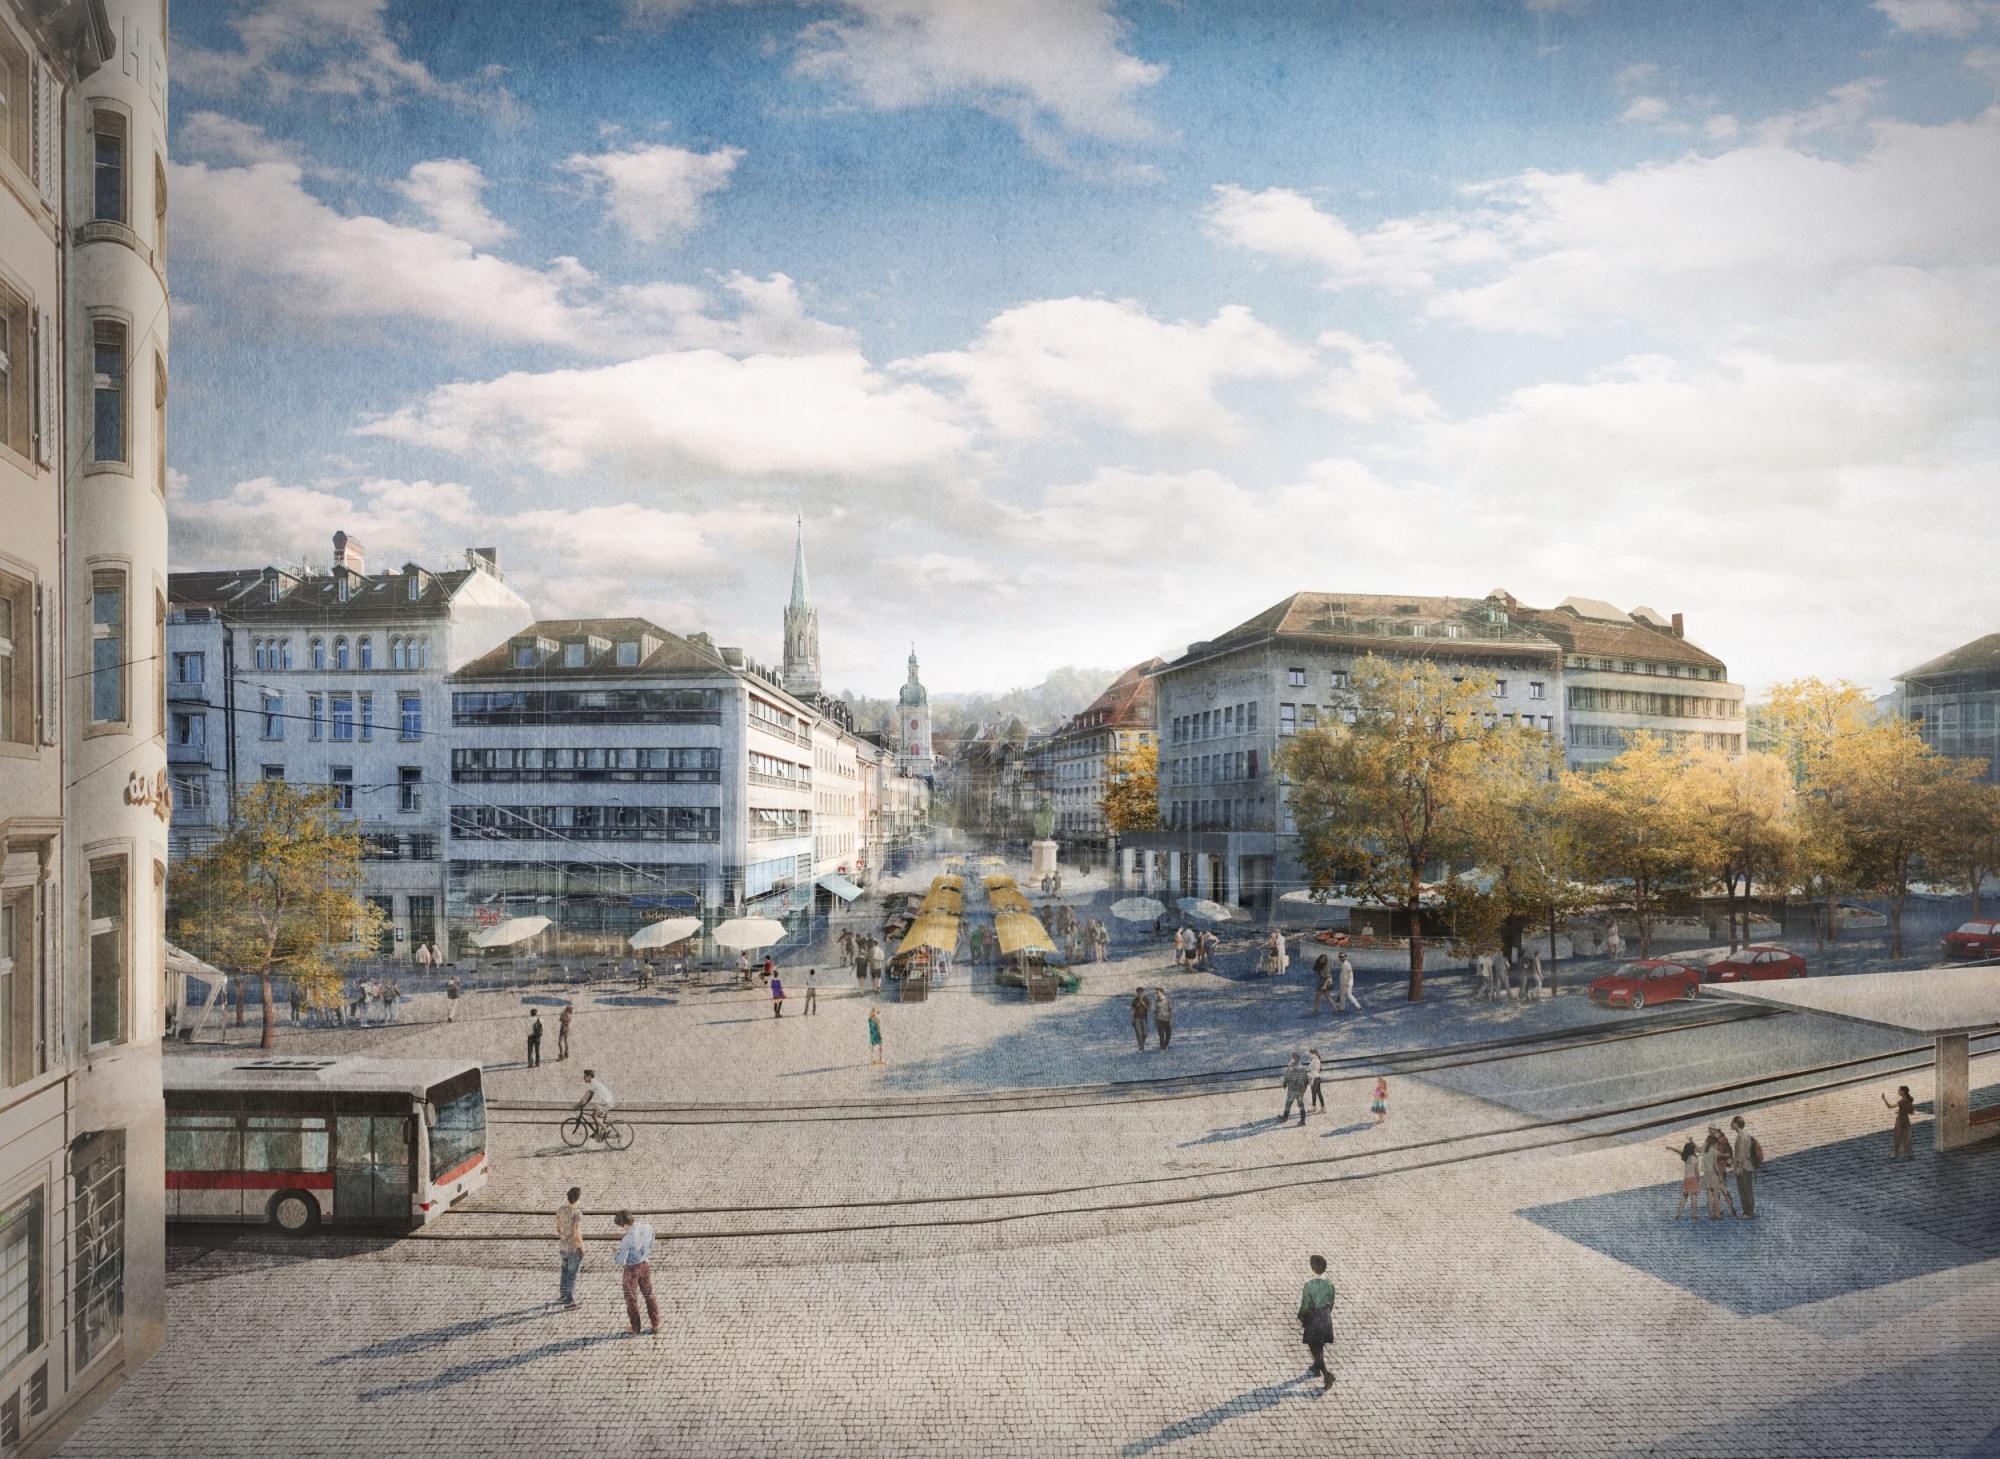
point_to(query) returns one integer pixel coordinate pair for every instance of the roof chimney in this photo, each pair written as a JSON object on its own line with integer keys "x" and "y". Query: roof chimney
{"x": 1680, "y": 627}
{"x": 347, "y": 554}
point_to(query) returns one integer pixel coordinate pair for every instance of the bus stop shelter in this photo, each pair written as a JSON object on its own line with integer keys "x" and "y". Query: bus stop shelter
{"x": 1945, "y": 1005}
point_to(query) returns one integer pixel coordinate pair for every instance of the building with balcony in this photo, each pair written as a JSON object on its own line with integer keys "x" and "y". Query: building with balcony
{"x": 1119, "y": 721}
{"x": 1954, "y": 701}
{"x": 332, "y": 677}
{"x": 83, "y": 705}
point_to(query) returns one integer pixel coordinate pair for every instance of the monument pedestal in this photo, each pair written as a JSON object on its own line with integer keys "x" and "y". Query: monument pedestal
{"x": 1042, "y": 859}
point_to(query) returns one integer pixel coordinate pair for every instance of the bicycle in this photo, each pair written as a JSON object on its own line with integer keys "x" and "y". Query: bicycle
{"x": 578, "y": 1130}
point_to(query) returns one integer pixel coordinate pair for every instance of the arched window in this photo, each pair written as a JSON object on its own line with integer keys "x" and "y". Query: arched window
{"x": 422, "y": 659}
{"x": 340, "y": 653}
{"x": 396, "y": 654}
{"x": 257, "y": 651}
{"x": 284, "y": 653}
{"x": 319, "y": 653}
{"x": 367, "y": 651}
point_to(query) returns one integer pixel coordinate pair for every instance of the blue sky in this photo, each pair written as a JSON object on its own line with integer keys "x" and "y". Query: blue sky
{"x": 1078, "y": 330}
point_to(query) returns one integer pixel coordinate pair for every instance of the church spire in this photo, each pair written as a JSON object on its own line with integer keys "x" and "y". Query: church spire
{"x": 801, "y": 595}
{"x": 801, "y": 626}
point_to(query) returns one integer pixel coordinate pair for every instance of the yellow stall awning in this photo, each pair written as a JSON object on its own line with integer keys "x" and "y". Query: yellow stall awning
{"x": 1021, "y": 932}
{"x": 942, "y": 900}
{"x": 934, "y": 930}
{"x": 1007, "y": 899}
{"x": 993, "y": 883}
{"x": 948, "y": 883}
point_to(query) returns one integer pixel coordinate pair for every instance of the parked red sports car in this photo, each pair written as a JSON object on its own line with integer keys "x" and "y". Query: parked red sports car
{"x": 1754, "y": 964}
{"x": 1974, "y": 939}
{"x": 1653, "y": 980}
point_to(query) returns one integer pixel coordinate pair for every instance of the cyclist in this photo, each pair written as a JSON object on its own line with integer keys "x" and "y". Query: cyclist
{"x": 597, "y": 1103}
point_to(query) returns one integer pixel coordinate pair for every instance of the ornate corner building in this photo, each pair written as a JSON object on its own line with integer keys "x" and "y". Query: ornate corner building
{"x": 84, "y": 798}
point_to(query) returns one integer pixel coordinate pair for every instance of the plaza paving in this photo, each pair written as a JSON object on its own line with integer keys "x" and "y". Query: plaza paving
{"x": 1540, "y": 1301}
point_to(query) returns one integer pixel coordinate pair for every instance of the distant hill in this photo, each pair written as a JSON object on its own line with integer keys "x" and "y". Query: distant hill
{"x": 1041, "y": 707}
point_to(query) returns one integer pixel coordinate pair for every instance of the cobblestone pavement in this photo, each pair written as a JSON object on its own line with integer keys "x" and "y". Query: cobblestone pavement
{"x": 1540, "y": 1301}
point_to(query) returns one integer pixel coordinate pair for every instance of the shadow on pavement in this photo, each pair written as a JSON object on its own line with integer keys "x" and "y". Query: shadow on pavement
{"x": 1255, "y": 1401}
{"x": 485, "y": 1367}
{"x": 1244, "y": 1131}
{"x": 416, "y": 1342}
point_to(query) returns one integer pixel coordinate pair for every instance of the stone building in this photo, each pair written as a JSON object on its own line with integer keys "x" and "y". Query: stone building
{"x": 1119, "y": 721}
{"x": 1954, "y": 701}
{"x": 913, "y": 726}
{"x": 83, "y": 715}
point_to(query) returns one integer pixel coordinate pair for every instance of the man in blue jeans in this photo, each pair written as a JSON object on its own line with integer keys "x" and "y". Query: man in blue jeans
{"x": 569, "y": 1243}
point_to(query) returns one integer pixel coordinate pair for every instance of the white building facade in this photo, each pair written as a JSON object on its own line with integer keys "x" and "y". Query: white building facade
{"x": 83, "y": 783}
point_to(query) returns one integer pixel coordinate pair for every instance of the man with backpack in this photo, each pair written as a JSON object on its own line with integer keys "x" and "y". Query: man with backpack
{"x": 1746, "y": 1155}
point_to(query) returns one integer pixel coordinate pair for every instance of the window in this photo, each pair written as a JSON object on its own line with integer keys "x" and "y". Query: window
{"x": 274, "y": 772}
{"x": 160, "y": 424}
{"x": 319, "y": 653}
{"x": 367, "y": 716}
{"x": 1499, "y": 688}
{"x": 160, "y": 211}
{"x": 1535, "y": 689}
{"x": 340, "y": 715}
{"x": 107, "y": 338}
{"x": 17, "y": 374}
{"x": 416, "y": 587}
{"x": 107, "y": 647}
{"x": 410, "y": 787}
{"x": 160, "y": 663}
{"x": 1338, "y": 678}
{"x": 1296, "y": 678}
{"x": 628, "y": 655}
{"x": 575, "y": 656}
{"x": 190, "y": 791}
{"x": 189, "y": 731}
{"x": 340, "y": 663}
{"x": 1288, "y": 719}
{"x": 412, "y": 721}
{"x": 21, "y": 1299}
{"x": 342, "y": 587}
{"x": 341, "y": 778}
{"x": 1251, "y": 723}
{"x": 274, "y": 717}
{"x": 316, "y": 716}
{"x": 17, "y": 133}
{"x": 524, "y": 656}
{"x": 17, "y": 664}
{"x": 108, "y": 197}
{"x": 273, "y": 589}
{"x": 189, "y": 668}
{"x": 20, "y": 982}
{"x": 99, "y": 1164}
{"x": 420, "y": 651}
{"x": 366, "y": 649}
{"x": 108, "y": 921}
{"x": 284, "y": 654}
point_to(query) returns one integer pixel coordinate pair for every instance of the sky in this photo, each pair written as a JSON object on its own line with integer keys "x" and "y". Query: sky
{"x": 1077, "y": 330}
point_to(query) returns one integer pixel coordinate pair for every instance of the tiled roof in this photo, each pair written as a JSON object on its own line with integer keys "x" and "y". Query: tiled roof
{"x": 671, "y": 653}
{"x": 1631, "y": 639}
{"x": 1981, "y": 656}
{"x": 1351, "y": 620}
{"x": 1128, "y": 702}
{"x": 241, "y": 594}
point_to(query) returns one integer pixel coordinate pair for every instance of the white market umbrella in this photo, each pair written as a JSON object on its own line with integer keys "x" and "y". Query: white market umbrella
{"x": 664, "y": 933}
{"x": 746, "y": 932}
{"x": 1137, "y": 909}
{"x": 513, "y": 930}
{"x": 1203, "y": 910}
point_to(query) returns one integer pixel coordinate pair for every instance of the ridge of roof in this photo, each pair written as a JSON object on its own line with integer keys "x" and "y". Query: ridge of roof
{"x": 1981, "y": 653}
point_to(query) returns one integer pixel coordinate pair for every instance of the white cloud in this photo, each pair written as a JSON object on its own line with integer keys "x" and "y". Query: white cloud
{"x": 226, "y": 139}
{"x": 652, "y": 189}
{"x": 770, "y": 317}
{"x": 1403, "y": 255}
{"x": 265, "y": 520}
{"x": 448, "y": 191}
{"x": 1113, "y": 362}
{"x": 1647, "y": 109}
{"x": 1954, "y": 18}
{"x": 1044, "y": 66}
{"x": 691, "y": 413}
{"x": 1376, "y": 384}
{"x": 328, "y": 49}
{"x": 1721, "y": 128}
{"x": 627, "y": 541}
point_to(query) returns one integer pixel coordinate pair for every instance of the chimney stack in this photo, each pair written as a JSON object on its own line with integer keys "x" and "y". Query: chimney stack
{"x": 347, "y": 554}
{"x": 1680, "y": 627}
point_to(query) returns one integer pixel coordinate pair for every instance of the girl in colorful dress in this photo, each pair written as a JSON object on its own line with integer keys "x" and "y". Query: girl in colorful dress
{"x": 1380, "y": 1104}
{"x": 1690, "y": 1180}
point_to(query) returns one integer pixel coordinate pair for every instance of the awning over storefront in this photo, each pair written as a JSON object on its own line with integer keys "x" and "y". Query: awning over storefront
{"x": 1020, "y": 932}
{"x": 840, "y": 886}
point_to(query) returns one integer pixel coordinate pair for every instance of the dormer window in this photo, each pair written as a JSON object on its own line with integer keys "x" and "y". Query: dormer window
{"x": 342, "y": 589}
{"x": 628, "y": 655}
{"x": 272, "y": 585}
{"x": 416, "y": 587}
{"x": 524, "y": 655}
{"x": 575, "y": 656}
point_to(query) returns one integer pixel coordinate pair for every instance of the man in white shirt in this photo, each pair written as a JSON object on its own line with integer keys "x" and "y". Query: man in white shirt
{"x": 635, "y": 1273}
{"x": 597, "y": 1100}
{"x": 1347, "y": 999}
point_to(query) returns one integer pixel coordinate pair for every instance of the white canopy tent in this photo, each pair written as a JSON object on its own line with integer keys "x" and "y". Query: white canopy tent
{"x": 664, "y": 933}
{"x": 507, "y": 934}
{"x": 749, "y": 932}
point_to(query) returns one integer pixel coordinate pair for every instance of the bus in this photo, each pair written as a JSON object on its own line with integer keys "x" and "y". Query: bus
{"x": 296, "y": 1142}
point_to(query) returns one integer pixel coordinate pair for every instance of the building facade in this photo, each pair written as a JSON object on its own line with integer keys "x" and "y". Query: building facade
{"x": 913, "y": 726}
{"x": 1119, "y": 721}
{"x": 1954, "y": 701}
{"x": 83, "y": 783}
{"x": 334, "y": 678}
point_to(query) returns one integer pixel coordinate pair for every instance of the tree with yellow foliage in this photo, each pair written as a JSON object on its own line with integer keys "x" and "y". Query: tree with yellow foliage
{"x": 1131, "y": 799}
{"x": 1752, "y": 836}
{"x": 1640, "y": 822}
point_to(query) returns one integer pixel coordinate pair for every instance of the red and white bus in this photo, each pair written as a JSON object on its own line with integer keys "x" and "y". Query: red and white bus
{"x": 296, "y": 1142}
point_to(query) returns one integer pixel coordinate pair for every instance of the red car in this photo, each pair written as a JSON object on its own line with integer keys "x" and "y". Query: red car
{"x": 1653, "y": 980}
{"x": 1974, "y": 939}
{"x": 1754, "y": 964}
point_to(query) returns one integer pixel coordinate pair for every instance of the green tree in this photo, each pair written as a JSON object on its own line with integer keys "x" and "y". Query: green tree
{"x": 1131, "y": 799}
{"x": 1640, "y": 822}
{"x": 274, "y": 895}
{"x": 1408, "y": 786}
{"x": 1752, "y": 831}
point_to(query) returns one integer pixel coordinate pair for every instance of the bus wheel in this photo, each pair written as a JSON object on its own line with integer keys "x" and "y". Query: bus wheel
{"x": 295, "y": 1213}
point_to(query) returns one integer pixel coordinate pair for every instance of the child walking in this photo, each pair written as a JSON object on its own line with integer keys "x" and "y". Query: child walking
{"x": 1380, "y": 1104}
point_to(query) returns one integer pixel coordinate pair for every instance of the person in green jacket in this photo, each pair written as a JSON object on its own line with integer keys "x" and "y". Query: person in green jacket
{"x": 1316, "y": 1319}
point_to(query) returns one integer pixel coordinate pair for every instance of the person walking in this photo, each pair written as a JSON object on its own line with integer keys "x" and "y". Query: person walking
{"x": 1690, "y": 1180}
{"x": 1312, "y": 1073}
{"x": 1209, "y": 942}
{"x": 1296, "y": 1081}
{"x": 357, "y": 1000}
{"x": 769, "y": 970}
{"x": 1380, "y": 1103}
{"x": 777, "y": 996}
{"x": 635, "y": 1271}
{"x": 878, "y": 962}
{"x": 1141, "y": 1015}
{"x": 812, "y": 993}
{"x": 562, "y": 1032}
{"x": 392, "y": 994}
{"x": 1482, "y": 972}
{"x": 875, "y": 1036}
{"x": 1711, "y": 1174}
{"x": 1347, "y": 999}
{"x": 861, "y": 962}
{"x": 423, "y": 958}
{"x": 1744, "y": 1158}
{"x": 1904, "y": 1107}
{"x": 1531, "y": 982}
{"x": 569, "y": 1244}
{"x": 534, "y": 1038}
{"x": 1316, "y": 1319}
{"x": 1163, "y": 1017}
{"x": 1280, "y": 959}
{"x": 1322, "y": 983}
{"x": 298, "y": 1001}
{"x": 451, "y": 992}
{"x": 1503, "y": 985}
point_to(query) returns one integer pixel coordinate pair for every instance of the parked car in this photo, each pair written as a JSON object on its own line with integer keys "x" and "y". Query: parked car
{"x": 1650, "y": 980}
{"x": 1754, "y": 964}
{"x": 1974, "y": 939}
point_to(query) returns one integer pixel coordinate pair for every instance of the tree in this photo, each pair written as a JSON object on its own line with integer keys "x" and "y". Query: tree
{"x": 1892, "y": 799}
{"x": 1543, "y": 859}
{"x": 1639, "y": 821}
{"x": 1410, "y": 784}
{"x": 1132, "y": 790}
{"x": 1752, "y": 831}
{"x": 1971, "y": 841}
{"x": 1801, "y": 724}
{"x": 274, "y": 894}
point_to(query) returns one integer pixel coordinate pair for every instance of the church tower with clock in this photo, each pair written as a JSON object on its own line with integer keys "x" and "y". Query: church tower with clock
{"x": 913, "y": 726}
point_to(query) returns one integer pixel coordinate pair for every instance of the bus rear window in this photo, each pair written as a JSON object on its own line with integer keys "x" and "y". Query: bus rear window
{"x": 460, "y": 1132}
